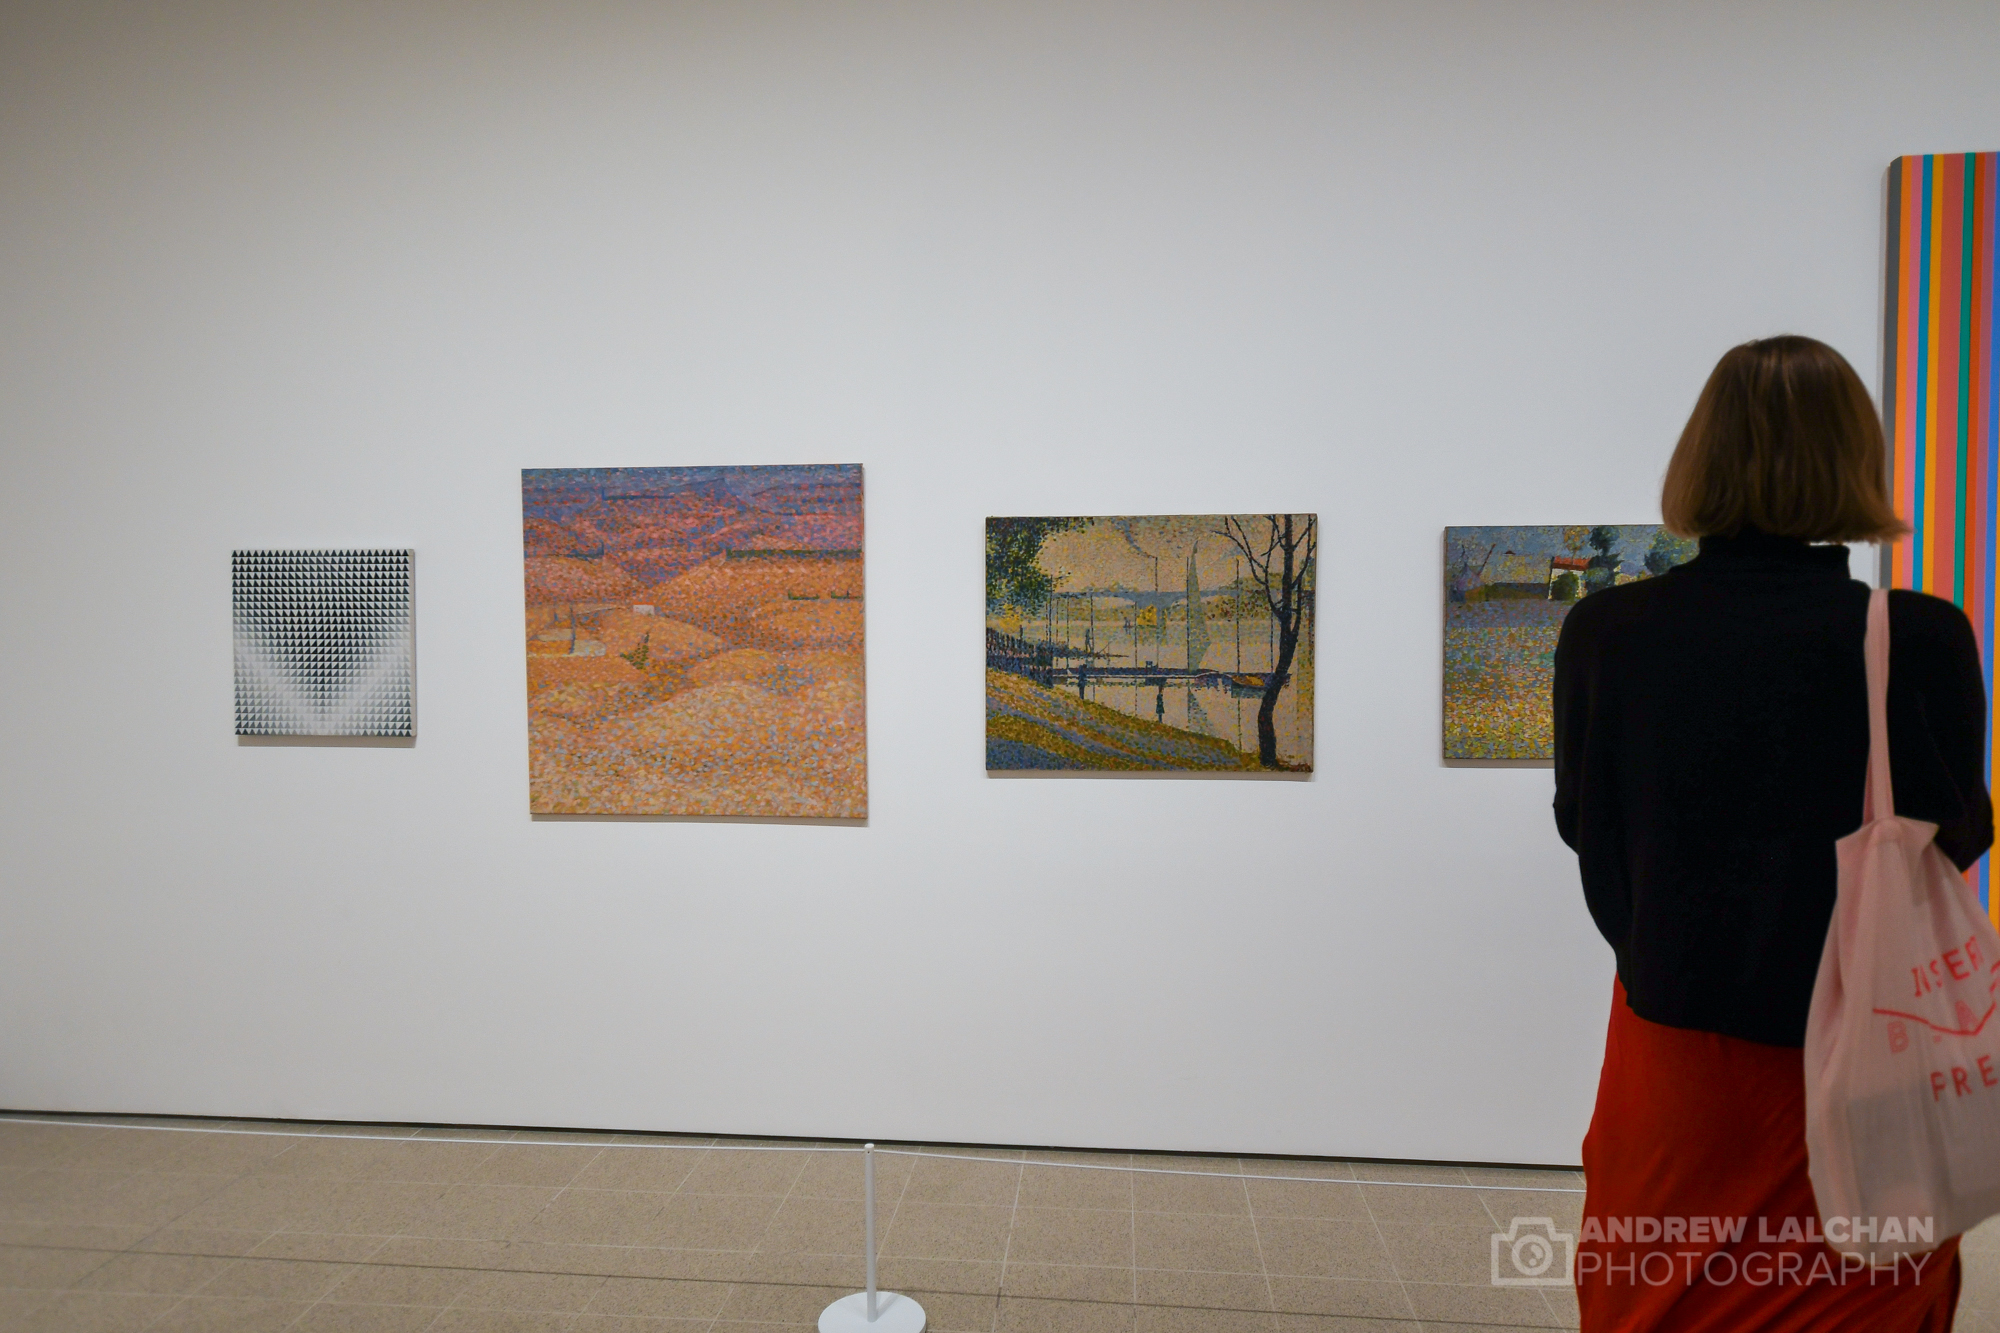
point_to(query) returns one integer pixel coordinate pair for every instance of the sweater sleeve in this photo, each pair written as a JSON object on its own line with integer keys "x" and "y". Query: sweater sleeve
{"x": 1570, "y": 709}
{"x": 1949, "y": 688}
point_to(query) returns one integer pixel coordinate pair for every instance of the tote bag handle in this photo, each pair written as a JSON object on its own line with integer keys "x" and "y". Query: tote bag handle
{"x": 1880, "y": 801}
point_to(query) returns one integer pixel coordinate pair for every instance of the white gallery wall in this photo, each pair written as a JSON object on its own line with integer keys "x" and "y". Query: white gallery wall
{"x": 331, "y": 275}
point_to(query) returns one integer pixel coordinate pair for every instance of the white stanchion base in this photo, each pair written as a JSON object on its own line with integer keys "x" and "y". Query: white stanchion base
{"x": 893, "y": 1314}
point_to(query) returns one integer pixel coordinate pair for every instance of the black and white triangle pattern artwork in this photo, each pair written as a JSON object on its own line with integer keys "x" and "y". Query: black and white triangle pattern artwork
{"x": 324, "y": 643}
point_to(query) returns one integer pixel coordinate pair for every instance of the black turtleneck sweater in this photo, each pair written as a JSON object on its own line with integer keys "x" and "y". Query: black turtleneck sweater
{"x": 1711, "y": 732}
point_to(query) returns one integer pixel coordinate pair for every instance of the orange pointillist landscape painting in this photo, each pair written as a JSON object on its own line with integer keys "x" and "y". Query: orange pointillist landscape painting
{"x": 694, "y": 641}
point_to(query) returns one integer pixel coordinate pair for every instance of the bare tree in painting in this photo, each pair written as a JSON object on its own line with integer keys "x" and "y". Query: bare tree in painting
{"x": 1281, "y": 561}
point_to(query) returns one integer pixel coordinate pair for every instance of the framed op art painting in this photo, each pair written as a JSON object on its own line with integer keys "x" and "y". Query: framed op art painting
{"x": 324, "y": 642}
{"x": 694, "y": 641}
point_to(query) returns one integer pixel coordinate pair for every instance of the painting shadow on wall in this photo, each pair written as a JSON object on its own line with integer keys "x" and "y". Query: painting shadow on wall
{"x": 329, "y": 742}
{"x": 1074, "y": 775}
{"x": 809, "y": 821}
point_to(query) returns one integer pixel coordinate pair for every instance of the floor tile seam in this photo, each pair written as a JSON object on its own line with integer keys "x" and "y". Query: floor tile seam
{"x": 229, "y": 1182}
{"x": 1132, "y": 1222}
{"x": 155, "y": 1320}
{"x": 1049, "y": 1263}
{"x": 1075, "y": 1267}
{"x": 1007, "y": 1247}
{"x": 314, "y": 1305}
{"x": 1232, "y": 1175}
{"x": 1498, "y": 1228}
{"x": 448, "y": 1182}
{"x": 37, "y": 1307}
{"x": 773, "y": 1219}
{"x": 902, "y": 1193}
{"x": 1486, "y": 1206}
{"x": 1257, "y": 1239}
{"x": 109, "y": 1256}
{"x": 459, "y": 1302}
{"x": 1446, "y": 1325}
{"x": 1169, "y": 1305}
{"x": 688, "y": 1170}
{"x": 441, "y": 1268}
{"x": 585, "y": 1166}
{"x": 547, "y": 1204}
{"x": 134, "y": 1249}
{"x": 78, "y": 1249}
{"x": 80, "y": 1168}
{"x": 372, "y": 1305}
{"x": 1409, "y": 1304}
{"x": 222, "y": 1266}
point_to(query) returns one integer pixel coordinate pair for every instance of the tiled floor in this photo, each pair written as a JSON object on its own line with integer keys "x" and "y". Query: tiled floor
{"x": 396, "y": 1230}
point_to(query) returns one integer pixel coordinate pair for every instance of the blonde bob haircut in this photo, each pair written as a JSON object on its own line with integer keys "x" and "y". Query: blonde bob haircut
{"x": 1783, "y": 440}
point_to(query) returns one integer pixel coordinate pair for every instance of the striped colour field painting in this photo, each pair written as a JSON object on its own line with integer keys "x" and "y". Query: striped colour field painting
{"x": 1938, "y": 395}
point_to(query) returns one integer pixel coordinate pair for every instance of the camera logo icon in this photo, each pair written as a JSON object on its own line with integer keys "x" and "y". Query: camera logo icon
{"x": 1532, "y": 1253}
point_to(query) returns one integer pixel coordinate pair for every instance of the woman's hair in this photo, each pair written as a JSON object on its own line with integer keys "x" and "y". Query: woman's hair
{"x": 1783, "y": 440}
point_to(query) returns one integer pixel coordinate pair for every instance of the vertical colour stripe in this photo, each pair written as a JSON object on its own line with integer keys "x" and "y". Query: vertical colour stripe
{"x": 1968, "y": 237}
{"x": 1913, "y": 288}
{"x": 1920, "y": 391}
{"x": 1976, "y": 538}
{"x": 1937, "y": 447}
{"x": 1892, "y": 268}
{"x": 1987, "y": 295}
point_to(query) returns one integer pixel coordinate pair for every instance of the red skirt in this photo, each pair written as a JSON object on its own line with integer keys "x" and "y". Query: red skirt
{"x": 1698, "y": 1213}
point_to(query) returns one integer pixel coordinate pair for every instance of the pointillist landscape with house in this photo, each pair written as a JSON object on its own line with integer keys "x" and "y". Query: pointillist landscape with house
{"x": 1506, "y": 591}
{"x": 1178, "y": 642}
{"x": 694, "y": 641}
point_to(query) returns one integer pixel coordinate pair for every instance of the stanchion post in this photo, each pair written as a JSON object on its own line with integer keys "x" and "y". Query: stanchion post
{"x": 871, "y": 1311}
{"x": 868, "y": 1216}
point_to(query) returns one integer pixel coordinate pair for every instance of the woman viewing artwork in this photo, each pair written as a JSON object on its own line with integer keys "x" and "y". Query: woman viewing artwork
{"x": 1710, "y": 736}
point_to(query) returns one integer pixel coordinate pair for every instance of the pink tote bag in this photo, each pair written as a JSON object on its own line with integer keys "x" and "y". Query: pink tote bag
{"x": 1902, "y": 1053}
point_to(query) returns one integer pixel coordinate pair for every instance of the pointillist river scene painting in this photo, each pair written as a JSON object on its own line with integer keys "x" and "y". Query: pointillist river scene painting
{"x": 1177, "y": 642}
{"x": 694, "y": 641}
{"x": 1506, "y": 591}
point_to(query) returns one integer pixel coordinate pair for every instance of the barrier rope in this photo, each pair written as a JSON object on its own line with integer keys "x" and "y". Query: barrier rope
{"x": 415, "y": 1136}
